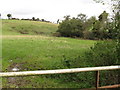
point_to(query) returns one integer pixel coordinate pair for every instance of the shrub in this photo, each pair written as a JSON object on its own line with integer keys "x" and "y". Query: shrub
{"x": 71, "y": 28}
{"x": 88, "y": 35}
{"x": 104, "y": 53}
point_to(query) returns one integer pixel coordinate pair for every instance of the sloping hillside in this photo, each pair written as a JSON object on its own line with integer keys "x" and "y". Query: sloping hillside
{"x": 39, "y": 52}
{"x": 16, "y": 27}
{"x": 24, "y": 47}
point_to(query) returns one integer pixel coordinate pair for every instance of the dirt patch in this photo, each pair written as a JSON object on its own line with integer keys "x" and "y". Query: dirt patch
{"x": 16, "y": 82}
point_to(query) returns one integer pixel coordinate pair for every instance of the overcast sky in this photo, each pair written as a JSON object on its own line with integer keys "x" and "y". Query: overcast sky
{"x": 50, "y": 9}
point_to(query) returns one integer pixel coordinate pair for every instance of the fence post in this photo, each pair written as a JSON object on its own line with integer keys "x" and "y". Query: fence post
{"x": 97, "y": 79}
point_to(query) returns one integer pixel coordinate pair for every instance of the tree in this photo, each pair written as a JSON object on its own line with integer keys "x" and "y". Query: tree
{"x": 82, "y": 17}
{"x": 114, "y": 27}
{"x": 90, "y": 22}
{"x": 42, "y": 20}
{"x": 98, "y": 28}
{"x": 9, "y": 16}
{"x": 58, "y": 21}
{"x": 33, "y": 18}
{"x": 67, "y": 17}
{"x": 71, "y": 28}
{"x": 103, "y": 17}
{"x": 89, "y": 25}
{"x": 37, "y": 19}
{"x": 0, "y": 15}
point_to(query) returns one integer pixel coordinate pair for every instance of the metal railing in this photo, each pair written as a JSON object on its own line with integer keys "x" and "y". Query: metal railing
{"x": 74, "y": 70}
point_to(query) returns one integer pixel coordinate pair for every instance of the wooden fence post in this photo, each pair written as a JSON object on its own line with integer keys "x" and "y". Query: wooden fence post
{"x": 97, "y": 79}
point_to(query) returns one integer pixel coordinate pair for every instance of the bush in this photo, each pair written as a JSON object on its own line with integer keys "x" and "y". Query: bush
{"x": 88, "y": 35}
{"x": 103, "y": 53}
{"x": 71, "y": 28}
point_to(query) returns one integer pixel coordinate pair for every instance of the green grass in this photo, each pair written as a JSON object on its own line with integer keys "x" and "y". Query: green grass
{"x": 41, "y": 53}
{"x": 18, "y": 27}
{"x": 29, "y": 45}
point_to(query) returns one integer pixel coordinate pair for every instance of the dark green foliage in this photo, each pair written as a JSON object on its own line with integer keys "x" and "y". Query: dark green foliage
{"x": 91, "y": 28}
{"x": 33, "y": 18}
{"x": 88, "y": 35}
{"x": 42, "y": 20}
{"x": 103, "y": 53}
{"x": 110, "y": 77}
{"x": 100, "y": 26}
{"x": 37, "y": 19}
{"x": 71, "y": 28}
{"x": 67, "y": 17}
{"x": 9, "y": 16}
{"x": 88, "y": 28}
{"x": 84, "y": 28}
{"x": 82, "y": 17}
{"x": 116, "y": 26}
{"x": 103, "y": 17}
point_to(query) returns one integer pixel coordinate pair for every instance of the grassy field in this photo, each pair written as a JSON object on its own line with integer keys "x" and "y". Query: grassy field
{"x": 39, "y": 52}
{"x": 17, "y": 27}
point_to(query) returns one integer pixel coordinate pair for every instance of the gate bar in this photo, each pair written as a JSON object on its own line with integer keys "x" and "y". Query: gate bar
{"x": 74, "y": 70}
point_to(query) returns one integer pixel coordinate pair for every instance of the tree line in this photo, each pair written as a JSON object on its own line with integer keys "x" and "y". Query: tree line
{"x": 92, "y": 28}
{"x": 32, "y": 19}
